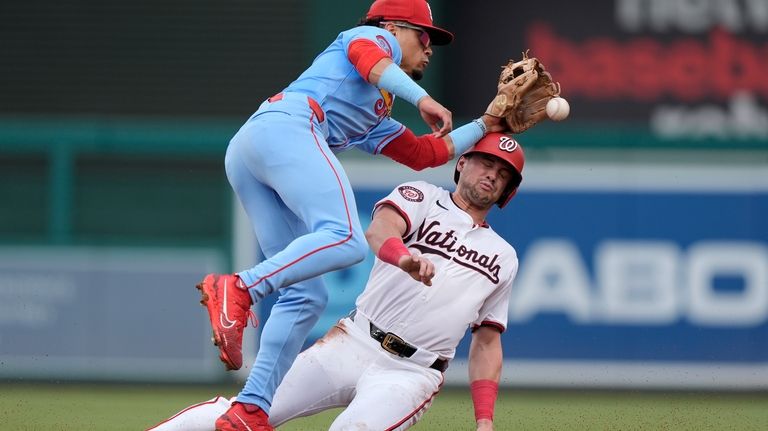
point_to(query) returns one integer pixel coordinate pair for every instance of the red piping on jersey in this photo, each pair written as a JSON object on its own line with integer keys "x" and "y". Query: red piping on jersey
{"x": 364, "y": 54}
{"x": 213, "y": 401}
{"x": 346, "y": 208}
{"x": 419, "y": 408}
{"x": 491, "y": 324}
{"x": 398, "y": 209}
{"x": 385, "y": 142}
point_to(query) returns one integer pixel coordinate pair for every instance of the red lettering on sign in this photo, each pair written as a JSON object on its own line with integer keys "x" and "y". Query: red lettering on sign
{"x": 645, "y": 69}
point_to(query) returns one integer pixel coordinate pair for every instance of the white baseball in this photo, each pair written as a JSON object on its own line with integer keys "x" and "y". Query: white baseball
{"x": 558, "y": 109}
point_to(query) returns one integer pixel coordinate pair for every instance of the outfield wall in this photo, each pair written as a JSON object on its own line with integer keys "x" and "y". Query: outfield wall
{"x": 631, "y": 275}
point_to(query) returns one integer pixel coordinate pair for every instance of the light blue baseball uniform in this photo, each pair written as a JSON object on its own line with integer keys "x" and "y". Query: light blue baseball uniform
{"x": 282, "y": 166}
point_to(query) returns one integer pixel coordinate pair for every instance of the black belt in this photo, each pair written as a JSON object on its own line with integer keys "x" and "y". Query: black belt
{"x": 398, "y": 347}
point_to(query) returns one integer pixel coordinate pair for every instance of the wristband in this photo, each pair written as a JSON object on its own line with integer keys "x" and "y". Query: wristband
{"x": 481, "y": 123}
{"x": 392, "y": 250}
{"x": 394, "y": 80}
{"x": 484, "y": 398}
{"x": 467, "y": 135}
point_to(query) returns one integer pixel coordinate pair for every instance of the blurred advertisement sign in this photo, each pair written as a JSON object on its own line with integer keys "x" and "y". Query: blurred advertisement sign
{"x": 105, "y": 314}
{"x": 683, "y": 69}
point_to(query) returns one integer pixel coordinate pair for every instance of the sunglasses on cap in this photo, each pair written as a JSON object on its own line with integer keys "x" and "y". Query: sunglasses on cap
{"x": 423, "y": 35}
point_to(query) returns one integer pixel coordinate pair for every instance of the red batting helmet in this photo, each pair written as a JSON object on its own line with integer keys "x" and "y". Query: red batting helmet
{"x": 416, "y": 12}
{"x": 506, "y": 148}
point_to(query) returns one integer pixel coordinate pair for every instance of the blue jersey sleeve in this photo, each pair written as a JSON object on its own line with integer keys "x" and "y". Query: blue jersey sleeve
{"x": 384, "y": 39}
{"x": 381, "y": 135}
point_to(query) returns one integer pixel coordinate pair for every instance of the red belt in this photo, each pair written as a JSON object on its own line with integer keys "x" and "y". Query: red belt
{"x": 312, "y": 105}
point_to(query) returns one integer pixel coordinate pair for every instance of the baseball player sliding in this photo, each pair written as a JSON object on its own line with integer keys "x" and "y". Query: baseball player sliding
{"x": 439, "y": 269}
{"x": 281, "y": 165}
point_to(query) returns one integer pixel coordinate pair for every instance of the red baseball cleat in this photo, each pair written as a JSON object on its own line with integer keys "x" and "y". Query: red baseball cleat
{"x": 243, "y": 417}
{"x": 229, "y": 307}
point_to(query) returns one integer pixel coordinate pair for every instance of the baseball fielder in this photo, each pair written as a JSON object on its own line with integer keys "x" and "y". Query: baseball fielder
{"x": 440, "y": 269}
{"x": 282, "y": 167}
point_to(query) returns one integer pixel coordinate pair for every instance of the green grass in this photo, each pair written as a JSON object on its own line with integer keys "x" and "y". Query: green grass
{"x": 63, "y": 407}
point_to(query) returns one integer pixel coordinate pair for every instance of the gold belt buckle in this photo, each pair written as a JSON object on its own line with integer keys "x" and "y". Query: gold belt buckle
{"x": 389, "y": 340}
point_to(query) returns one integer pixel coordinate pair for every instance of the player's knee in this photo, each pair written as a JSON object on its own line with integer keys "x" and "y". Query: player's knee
{"x": 354, "y": 246}
{"x": 348, "y": 249}
{"x": 359, "y": 247}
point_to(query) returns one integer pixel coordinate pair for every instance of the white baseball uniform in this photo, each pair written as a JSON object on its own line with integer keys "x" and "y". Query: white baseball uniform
{"x": 386, "y": 384}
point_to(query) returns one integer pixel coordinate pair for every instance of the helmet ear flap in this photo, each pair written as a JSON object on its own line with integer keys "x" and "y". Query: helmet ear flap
{"x": 504, "y": 200}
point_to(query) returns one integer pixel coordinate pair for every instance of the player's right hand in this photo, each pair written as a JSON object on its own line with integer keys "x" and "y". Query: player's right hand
{"x": 437, "y": 117}
{"x": 418, "y": 267}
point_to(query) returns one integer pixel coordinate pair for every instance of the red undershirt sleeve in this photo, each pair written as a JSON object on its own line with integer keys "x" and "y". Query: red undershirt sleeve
{"x": 417, "y": 152}
{"x": 364, "y": 54}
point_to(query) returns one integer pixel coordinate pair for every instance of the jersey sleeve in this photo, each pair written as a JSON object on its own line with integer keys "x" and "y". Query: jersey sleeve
{"x": 384, "y": 39}
{"x": 412, "y": 200}
{"x": 494, "y": 311}
{"x": 381, "y": 135}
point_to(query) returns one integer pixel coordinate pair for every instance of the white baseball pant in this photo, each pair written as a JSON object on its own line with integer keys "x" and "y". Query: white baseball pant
{"x": 345, "y": 368}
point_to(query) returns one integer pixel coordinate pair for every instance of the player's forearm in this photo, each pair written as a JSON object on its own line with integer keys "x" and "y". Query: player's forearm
{"x": 386, "y": 244}
{"x": 418, "y": 152}
{"x": 375, "y": 75}
{"x": 384, "y": 73}
{"x": 427, "y": 151}
{"x": 378, "y": 233}
{"x": 485, "y": 355}
{"x": 391, "y": 77}
{"x": 485, "y": 358}
{"x": 387, "y": 223}
{"x": 464, "y": 137}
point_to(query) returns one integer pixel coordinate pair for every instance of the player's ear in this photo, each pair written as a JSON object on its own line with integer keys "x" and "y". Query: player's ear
{"x": 460, "y": 164}
{"x": 388, "y": 26}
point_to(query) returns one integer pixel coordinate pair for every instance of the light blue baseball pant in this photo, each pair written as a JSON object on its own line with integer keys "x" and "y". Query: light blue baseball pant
{"x": 303, "y": 212}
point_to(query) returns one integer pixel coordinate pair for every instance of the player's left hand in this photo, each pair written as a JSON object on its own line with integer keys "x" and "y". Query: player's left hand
{"x": 437, "y": 117}
{"x": 484, "y": 425}
{"x": 418, "y": 267}
{"x": 523, "y": 90}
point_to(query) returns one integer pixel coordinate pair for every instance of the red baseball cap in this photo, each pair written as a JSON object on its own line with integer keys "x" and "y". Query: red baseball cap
{"x": 416, "y": 12}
